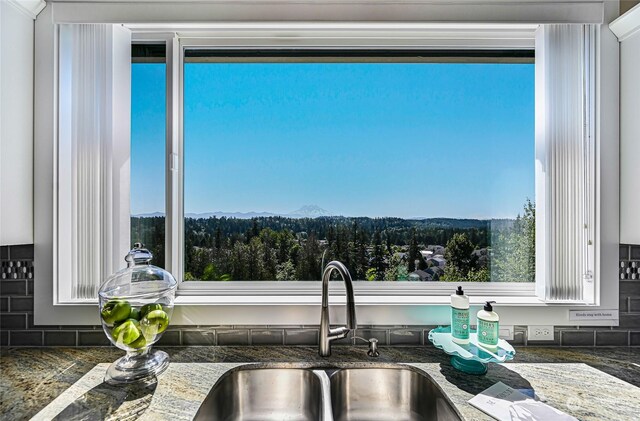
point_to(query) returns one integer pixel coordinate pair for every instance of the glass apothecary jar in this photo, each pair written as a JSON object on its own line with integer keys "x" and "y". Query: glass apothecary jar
{"x": 136, "y": 306}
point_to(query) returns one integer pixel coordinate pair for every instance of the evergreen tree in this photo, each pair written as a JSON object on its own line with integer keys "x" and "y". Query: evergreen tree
{"x": 413, "y": 252}
{"x": 513, "y": 249}
{"x": 422, "y": 263}
{"x": 266, "y": 248}
{"x": 377, "y": 262}
{"x": 286, "y": 271}
{"x": 459, "y": 253}
{"x": 218, "y": 237}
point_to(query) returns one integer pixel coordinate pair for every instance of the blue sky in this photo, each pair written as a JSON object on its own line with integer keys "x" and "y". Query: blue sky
{"x": 406, "y": 140}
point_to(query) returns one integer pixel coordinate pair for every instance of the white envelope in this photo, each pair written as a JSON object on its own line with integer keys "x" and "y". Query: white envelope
{"x": 507, "y": 404}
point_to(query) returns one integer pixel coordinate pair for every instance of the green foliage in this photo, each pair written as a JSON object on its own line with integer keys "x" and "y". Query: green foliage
{"x": 479, "y": 275}
{"x": 413, "y": 251}
{"x": 513, "y": 250}
{"x": 511, "y": 257}
{"x": 211, "y": 274}
{"x": 286, "y": 271}
{"x": 459, "y": 254}
{"x": 451, "y": 274}
{"x": 397, "y": 270}
{"x": 150, "y": 232}
{"x": 378, "y": 262}
{"x": 376, "y": 249}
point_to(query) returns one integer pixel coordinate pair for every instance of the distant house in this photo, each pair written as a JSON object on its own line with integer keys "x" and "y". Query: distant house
{"x": 417, "y": 276}
{"x": 435, "y": 272}
{"x": 423, "y": 276}
{"x": 436, "y": 261}
{"x": 436, "y": 249}
{"x": 483, "y": 256}
{"x": 426, "y": 254}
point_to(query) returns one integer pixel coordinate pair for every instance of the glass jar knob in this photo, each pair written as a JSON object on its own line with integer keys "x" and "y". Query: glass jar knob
{"x": 138, "y": 255}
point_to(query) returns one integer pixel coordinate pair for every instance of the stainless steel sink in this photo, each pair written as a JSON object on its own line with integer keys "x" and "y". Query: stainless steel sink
{"x": 387, "y": 394}
{"x": 263, "y": 395}
{"x": 348, "y": 394}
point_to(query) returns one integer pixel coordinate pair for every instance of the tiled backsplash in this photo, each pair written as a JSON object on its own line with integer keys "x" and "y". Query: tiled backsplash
{"x": 629, "y": 262}
{"x": 17, "y": 327}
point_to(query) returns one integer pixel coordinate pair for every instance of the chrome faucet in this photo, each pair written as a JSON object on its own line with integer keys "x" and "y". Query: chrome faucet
{"x": 326, "y": 333}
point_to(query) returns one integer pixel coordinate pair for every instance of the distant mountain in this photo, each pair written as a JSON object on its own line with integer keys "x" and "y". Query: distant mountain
{"x": 149, "y": 215}
{"x": 236, "y": 215}
{"x": 309, "y": 211}
{"x": 314, "y": 212}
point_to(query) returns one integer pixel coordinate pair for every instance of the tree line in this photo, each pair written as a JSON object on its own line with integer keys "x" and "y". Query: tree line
{"x": 374, "y": 249}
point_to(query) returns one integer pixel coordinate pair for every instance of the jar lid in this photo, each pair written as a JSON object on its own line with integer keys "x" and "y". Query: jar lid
{"x": 140, "y": 279}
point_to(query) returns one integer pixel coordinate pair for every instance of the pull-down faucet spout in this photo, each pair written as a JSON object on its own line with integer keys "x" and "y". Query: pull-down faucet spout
{"x": 326, "y": 333}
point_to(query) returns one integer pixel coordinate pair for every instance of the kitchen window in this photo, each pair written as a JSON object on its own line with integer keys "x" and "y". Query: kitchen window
{"x": 213, "y": 85}
{"x": 415, "y": 167}
{"x": 148, "y": 134}
{"x": 426, "y": 159}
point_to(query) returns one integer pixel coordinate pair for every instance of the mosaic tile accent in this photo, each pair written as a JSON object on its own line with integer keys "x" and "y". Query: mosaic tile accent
{"x": 629, "y": 268}
{"x": 16, "y": 269}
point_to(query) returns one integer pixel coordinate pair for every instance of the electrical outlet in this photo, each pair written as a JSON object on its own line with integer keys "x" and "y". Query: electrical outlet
{"x": 540, "y": 333}
{"x": 506, "y": 333}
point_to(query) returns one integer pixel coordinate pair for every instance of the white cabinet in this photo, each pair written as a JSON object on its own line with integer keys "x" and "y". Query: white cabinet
{"x": 627, "y": 28}
{"x": 16, "y": 125}
{"x": 630, "y": 140}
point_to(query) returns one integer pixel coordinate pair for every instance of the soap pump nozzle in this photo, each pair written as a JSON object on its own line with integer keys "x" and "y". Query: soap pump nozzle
{"x": 488, "y": 306}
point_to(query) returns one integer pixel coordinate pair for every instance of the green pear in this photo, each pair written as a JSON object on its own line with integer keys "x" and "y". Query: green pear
{"x": 154, "y": 322}
{"x": 127, "y": 332}
{"x": 139, "y": 343}
{"x": 115, "y": 311}
{"x": 148, "y": 308}
{"x": 135, "y": 314}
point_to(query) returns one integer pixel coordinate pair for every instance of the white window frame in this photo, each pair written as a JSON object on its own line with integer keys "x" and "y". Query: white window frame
{"x": 409, "y": 305}
{"x": 309, "y": 36}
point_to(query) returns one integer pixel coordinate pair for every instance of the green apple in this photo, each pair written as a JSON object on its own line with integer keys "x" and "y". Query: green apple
{"x": 154, "y": 322}
{"x": 115, "y": 311}
{"x": 135, "y": 314}
{"x": 149, "y": 308}
{"x": 127, "y": 332}
{"x": 139, "y": 343}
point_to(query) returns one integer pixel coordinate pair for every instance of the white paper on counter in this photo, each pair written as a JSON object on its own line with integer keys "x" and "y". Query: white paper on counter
{"x": 507, "y": 404}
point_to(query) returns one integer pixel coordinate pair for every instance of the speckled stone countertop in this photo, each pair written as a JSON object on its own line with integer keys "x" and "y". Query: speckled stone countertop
{"x": 66, "y": 383}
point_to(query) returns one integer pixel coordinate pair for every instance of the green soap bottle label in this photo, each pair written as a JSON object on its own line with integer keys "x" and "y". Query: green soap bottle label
{"x": 459, "y": 323}
{"x": 487, "y": 332}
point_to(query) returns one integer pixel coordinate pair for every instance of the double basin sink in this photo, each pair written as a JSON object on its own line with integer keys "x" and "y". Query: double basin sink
{"x": 347, "y": 394}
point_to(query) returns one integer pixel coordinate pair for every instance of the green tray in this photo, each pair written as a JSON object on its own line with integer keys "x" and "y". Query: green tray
{"x": 470, "y": 358}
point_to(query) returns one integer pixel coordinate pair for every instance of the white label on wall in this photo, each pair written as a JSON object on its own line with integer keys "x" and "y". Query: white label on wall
{"x": 593, "y": 314}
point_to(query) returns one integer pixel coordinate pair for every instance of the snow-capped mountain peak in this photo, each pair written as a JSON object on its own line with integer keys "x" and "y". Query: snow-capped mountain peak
{"x": 310, "y": 211}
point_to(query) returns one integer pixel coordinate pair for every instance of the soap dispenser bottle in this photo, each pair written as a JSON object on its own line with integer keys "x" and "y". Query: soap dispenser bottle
{"x": 488, "y": 326}
{"x": 459, "y": 317}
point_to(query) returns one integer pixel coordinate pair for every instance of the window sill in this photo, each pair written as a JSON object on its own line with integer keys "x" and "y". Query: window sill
{"x": 296, "y": 310}
{"x": 361, "y": 300}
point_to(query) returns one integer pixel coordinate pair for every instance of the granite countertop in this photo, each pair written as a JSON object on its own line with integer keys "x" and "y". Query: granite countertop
{"x": 66, "y": 383}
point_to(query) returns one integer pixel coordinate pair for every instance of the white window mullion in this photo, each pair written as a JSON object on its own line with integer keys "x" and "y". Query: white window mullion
{"x": 174, "y": 210}
{"x": 590, "y": 37}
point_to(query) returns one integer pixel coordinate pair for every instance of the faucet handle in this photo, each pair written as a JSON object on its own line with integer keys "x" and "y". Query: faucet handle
{"x": 338, "y": 332}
